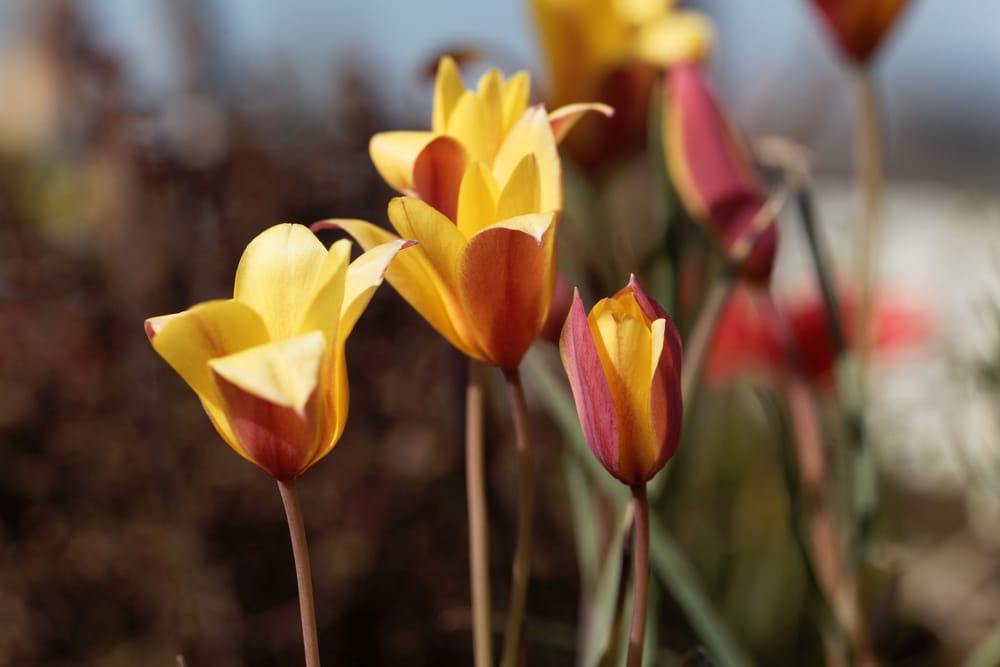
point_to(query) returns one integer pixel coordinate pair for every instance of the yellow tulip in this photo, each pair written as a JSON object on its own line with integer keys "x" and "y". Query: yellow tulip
{"x": 486, "y": 192}
{"x": 268, "y": 364}
{"x": 613, "y": 51}
{"x": 624, "y": 366}
{"x": 492, "y": 125}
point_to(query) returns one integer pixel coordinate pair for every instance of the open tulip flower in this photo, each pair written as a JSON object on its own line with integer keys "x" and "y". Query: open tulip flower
{"x": 624, "y": 366}
{"x": 268, "y": 364}
{"x": 713, "y": 175}
{"x": 859, "y": 26}
{"x": 492, "y": 125}
{"x": 612, "y": 51}
{"x": 486, "y": 192}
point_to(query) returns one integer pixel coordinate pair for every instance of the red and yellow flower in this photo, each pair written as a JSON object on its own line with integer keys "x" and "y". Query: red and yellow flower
{"x": 484, "y": 193}
{"x": 268, "y": 364}
{"x": 624, "y": 366}
{"x": 713, "y": 175}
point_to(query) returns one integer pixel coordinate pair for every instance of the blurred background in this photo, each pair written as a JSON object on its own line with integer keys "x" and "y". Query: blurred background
{"x": 143, "y": 143}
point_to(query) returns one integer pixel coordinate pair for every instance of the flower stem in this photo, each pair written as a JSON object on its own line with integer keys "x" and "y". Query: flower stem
{"x": 514, "y": 637}
{"x": 475, "y": 488}
{"x": 300, "y": 551}
{"x": 640, "y": 575}
{"x": 837, "y": 585}
{"x": 871, "y": 183}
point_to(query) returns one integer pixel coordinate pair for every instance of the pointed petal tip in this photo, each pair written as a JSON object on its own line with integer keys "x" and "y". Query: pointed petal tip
{"x": 150, "y": 329}
{"x": 324, "y": 224}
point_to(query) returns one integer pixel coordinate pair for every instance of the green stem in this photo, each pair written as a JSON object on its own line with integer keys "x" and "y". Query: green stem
{"x": 514, "y": 637}
{"x": 872, "y": 185}
{"x": 300, "y": 552}
{"x": 475, "y": 488}
{"x": 640, "y": 575}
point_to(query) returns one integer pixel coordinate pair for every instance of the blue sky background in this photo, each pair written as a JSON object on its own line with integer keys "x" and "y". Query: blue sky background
{"x": 938, "y": 75}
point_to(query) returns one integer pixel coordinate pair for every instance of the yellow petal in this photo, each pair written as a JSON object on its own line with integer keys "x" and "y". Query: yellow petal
{"x": 448, "y": 87}
{"x": 415, "y": 277}
{"x": 284, "y": 372}
{"x": 189, "y": 340}
{"x": 477, "y": 200}
{"x": 522, "y": 193}
{"x": 394, "y": 154}
{"x": 639, "y": 12}
{"x": 625, "y": 344}
{"x": 564, "y": 118}
{"x": 676, "y": 37}
{"x": 467, "y": 123}
{"x": 325, "y": 300}
{"x": 532, "y": 134}
{"x": 490, "y": 96}
{"x": 277, "y": 275}
{"x": 515, "y": 99}
{"x": 363, "y": 277}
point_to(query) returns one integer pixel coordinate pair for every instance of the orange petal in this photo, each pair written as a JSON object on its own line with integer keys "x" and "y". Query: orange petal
{"x": 506, "y": 276}
{"x": 437, "y": 174}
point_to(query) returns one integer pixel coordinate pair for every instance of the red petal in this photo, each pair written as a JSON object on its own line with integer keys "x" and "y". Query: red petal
{"x": 437, "y": 175}
{"x": 591, "y": 391}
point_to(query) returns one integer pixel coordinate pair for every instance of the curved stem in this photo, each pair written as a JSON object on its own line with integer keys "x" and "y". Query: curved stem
{"x": 640, "y": 575}
{"x": 514, "y": 638}
{"x": 475, "y": 488}
{"x": 300, "y": 551}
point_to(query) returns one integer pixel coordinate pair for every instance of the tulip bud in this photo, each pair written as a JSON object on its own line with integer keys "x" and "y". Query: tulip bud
{"x": 624, "y": 366}
{"x": 859, "y": 26}
{"x": 713, "y": 175}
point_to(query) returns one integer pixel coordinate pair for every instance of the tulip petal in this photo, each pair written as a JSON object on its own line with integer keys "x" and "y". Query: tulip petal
{"x": 267, "y": 392}
{"x": 437, "y": 174}
{"x": 189, "y": 340}
{"x": 283, "y": 372}
{"x": 680, "y": 36}
{"x": 506, "y": 275}
{"x": 591, "y": 392}
{"x": 277, "y": 267}
{"x": 363, "y": 278}
{"x": 490, "y": 93}
{"x": 522, "y": 193}
{"x": 394, "y": 155}
{"x": 419, "y": 282}
{"x": 564, "y": 118}
{"x": 707, "y": 161}
{"x": 477, "y": 199}
{"x": 532, "y": 134}
{"x": 448, "y": 87}
{"x": 467, "y": 124}
{"x": 515, "y": 99}
{"x": 328, "y": 294}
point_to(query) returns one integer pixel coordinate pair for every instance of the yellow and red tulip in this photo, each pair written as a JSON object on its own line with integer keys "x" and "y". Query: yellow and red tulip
{"x": 859, "y": 26}
{"x": 486, "y": 192}
{"x": 713, "y": 175}
{"x": 624, "y": 366}
{"x": 613, "y": 51}
{"x": 268, "y": 364}
{"x": 492, "y": 125}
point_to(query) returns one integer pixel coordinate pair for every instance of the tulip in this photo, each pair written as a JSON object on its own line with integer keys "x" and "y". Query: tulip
{"x": 486, "y": 192}
{"x": 612, "y": 51}
{"x": 491, "y": 125}
{"x": 859, "y": 26}
{"x": 624, "y": 365}
{"x": 268, "y": 364}
{"x": 713, "y": 175}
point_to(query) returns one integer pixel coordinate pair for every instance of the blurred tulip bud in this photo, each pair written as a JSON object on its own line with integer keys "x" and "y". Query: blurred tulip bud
{"x": 713, "y": 175}
{"x": 859, "y": 26}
